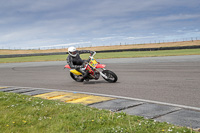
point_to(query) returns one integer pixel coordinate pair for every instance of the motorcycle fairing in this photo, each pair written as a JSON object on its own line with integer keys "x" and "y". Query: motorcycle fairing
{"x": 74, "y": 71}
{"x": 100, "y": 66}
{"x": 67, "y": 66}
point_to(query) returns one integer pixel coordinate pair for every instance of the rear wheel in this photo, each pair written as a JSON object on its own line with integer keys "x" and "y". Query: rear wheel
{"x": 112, "y": 77}
{"x": 77, "y": 78}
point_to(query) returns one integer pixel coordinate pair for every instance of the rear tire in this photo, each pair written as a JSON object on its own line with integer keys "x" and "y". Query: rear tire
{"x": 112, "y": 77}
{"x": 76, "y": 77}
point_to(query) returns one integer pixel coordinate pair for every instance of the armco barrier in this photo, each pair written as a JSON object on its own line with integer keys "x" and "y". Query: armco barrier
{"x": 104, "y": 51}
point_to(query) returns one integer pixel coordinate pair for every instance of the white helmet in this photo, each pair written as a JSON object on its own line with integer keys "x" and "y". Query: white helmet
{"x": 72, "y": 51}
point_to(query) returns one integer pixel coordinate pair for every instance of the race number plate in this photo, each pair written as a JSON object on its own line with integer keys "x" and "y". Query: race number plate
{"x": 93, "y": 63}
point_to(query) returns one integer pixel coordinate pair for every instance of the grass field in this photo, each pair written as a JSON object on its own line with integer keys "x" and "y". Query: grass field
{"x": 133, "y": 54}
{"x": 25, "y": 114}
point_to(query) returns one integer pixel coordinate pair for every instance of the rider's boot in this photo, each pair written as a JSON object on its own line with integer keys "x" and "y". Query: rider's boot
{"x": 85, "y": 75}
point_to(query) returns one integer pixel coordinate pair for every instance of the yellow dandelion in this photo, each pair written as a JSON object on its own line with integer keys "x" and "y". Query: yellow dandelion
{"x": 13, "y": 122}
{"x": 163, "y": 130}
{"x": 24, "y": 121}
{"x": 7, "y": 125}
{"x": 92, "y": 120}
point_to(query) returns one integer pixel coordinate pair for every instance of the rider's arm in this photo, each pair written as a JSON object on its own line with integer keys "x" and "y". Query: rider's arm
{"x": 70, "y": 63}
{"x": 84, "y": 51}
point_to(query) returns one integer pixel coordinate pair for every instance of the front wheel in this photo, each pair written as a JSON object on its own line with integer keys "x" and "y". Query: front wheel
{"x": 112, "y": 77}
{"x": 76, "y": 77}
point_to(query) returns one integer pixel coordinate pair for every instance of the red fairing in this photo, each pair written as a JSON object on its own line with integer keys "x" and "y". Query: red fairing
{"x": 67, "y": 66}
{"x": 100, "y": 66}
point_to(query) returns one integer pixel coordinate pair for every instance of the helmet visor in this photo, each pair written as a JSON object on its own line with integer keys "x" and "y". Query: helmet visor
{"x": 73, "y": 53}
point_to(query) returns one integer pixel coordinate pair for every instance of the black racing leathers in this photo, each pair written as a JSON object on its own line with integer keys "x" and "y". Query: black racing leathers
{"x": 76, "y": 62}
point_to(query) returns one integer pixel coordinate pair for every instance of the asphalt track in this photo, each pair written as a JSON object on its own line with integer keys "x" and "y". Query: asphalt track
{"x": 173, "y": 79}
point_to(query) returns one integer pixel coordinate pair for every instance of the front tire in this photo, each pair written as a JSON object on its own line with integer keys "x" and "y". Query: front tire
{"x": 112, "y": 77}
{"x": 76, "y": 77}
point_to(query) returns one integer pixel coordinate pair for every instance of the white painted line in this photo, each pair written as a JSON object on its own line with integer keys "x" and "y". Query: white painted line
{"x": 144, "y": 100}
{"x": 121, "y": 97}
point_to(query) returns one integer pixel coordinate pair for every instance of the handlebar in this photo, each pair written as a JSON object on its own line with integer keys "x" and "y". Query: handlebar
{"x": 91, "y": 56}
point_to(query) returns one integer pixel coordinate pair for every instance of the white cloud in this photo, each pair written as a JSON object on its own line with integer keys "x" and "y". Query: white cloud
{"x": 60, "y": 45}
{"x": 104, "y": 38}
{"x": 142, "y": 37}
{"x": 178, "y": 17}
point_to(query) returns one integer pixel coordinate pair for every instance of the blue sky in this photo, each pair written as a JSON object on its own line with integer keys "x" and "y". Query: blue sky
{"x": 26, "y": 24}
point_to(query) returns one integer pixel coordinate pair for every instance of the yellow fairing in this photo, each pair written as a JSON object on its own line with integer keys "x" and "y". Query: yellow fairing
{"x": 75, "y": 72}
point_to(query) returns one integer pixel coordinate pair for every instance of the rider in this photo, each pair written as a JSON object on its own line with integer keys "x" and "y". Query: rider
{"x": 75, "y": 62}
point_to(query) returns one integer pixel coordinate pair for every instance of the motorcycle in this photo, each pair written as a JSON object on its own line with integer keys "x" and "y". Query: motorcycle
{"x": 92, "y": 66}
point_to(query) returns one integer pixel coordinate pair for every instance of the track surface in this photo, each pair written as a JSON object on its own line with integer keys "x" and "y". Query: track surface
{"x": 172, "y": 79}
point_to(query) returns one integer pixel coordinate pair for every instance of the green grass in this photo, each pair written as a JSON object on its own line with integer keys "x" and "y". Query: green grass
{"x": 33, "y": 59}
{"x": 25, "y": 114}
{"x": 149, "y": 53}
{"x": 105, "y": 55}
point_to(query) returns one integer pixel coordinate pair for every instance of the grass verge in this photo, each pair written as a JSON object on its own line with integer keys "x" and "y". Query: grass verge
{"x": 105, "y": 55}
{"x": 21, "y": 113}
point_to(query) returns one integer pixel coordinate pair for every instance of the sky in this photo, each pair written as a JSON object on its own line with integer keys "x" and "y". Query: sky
{"x": 45, "y": 24}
